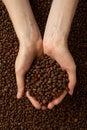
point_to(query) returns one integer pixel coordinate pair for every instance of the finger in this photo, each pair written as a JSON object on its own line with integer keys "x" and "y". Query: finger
{"x": 20, "y": 85}
{"x": 51, "y": 105}
{"x": 72, "y": 81}
{"x": 35, "y": 103}
{"x": 57, "y": 101}
{"x": 43, "y": 108}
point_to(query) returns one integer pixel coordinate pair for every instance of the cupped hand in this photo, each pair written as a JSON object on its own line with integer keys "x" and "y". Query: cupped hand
{"x": 59, "y": 52}
{"x": 25, "y": 57}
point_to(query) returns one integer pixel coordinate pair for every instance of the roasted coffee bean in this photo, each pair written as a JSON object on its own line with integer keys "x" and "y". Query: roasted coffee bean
{"x": 55, "y": 79}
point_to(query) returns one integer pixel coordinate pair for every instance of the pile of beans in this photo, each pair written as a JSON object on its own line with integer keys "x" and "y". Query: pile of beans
{"x": 46, "y": 79}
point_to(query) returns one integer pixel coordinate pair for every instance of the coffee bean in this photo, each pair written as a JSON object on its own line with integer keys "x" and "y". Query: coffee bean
{"x": 52, "y": 79}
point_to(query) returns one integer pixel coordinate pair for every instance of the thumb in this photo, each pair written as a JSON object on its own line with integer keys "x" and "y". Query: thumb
{"x": 72, "y": 79}
{"x": 20, "y": 84}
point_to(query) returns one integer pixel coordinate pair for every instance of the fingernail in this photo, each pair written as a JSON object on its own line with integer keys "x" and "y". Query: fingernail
{"x": 18, "y": 95}
{"x": 71, "y": 92}
{"x": 50, "y": 106}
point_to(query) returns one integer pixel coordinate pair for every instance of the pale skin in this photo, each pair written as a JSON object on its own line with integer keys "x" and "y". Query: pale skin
{"x": 53, "y": 44}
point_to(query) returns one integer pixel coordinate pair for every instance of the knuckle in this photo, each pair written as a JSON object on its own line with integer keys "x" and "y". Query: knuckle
{"x": 38, "y": 107}
{"x": 19, "y": 71}
{"x": 73, "y": 67}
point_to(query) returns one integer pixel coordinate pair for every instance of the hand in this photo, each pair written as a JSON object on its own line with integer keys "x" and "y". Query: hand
{"x": 55, "y": 41}
{"x": 59, "y": 52}
{"x": 29, "y": 37}
{"x": 26, "y": 55}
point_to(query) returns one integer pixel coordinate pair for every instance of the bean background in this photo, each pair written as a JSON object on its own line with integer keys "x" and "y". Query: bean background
{"x": 15, "y": 114}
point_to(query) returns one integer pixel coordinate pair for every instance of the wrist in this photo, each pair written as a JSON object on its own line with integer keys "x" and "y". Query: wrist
{"x": 29, "y": 33}
{"x": 29, "y": 36}
{"x": 53, "y": 37}
{"x": 28, "y": 43}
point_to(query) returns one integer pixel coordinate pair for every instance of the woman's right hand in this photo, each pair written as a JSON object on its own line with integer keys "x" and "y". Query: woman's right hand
{"x": 30, "y": 41}
{"x": 59, "y": 51}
